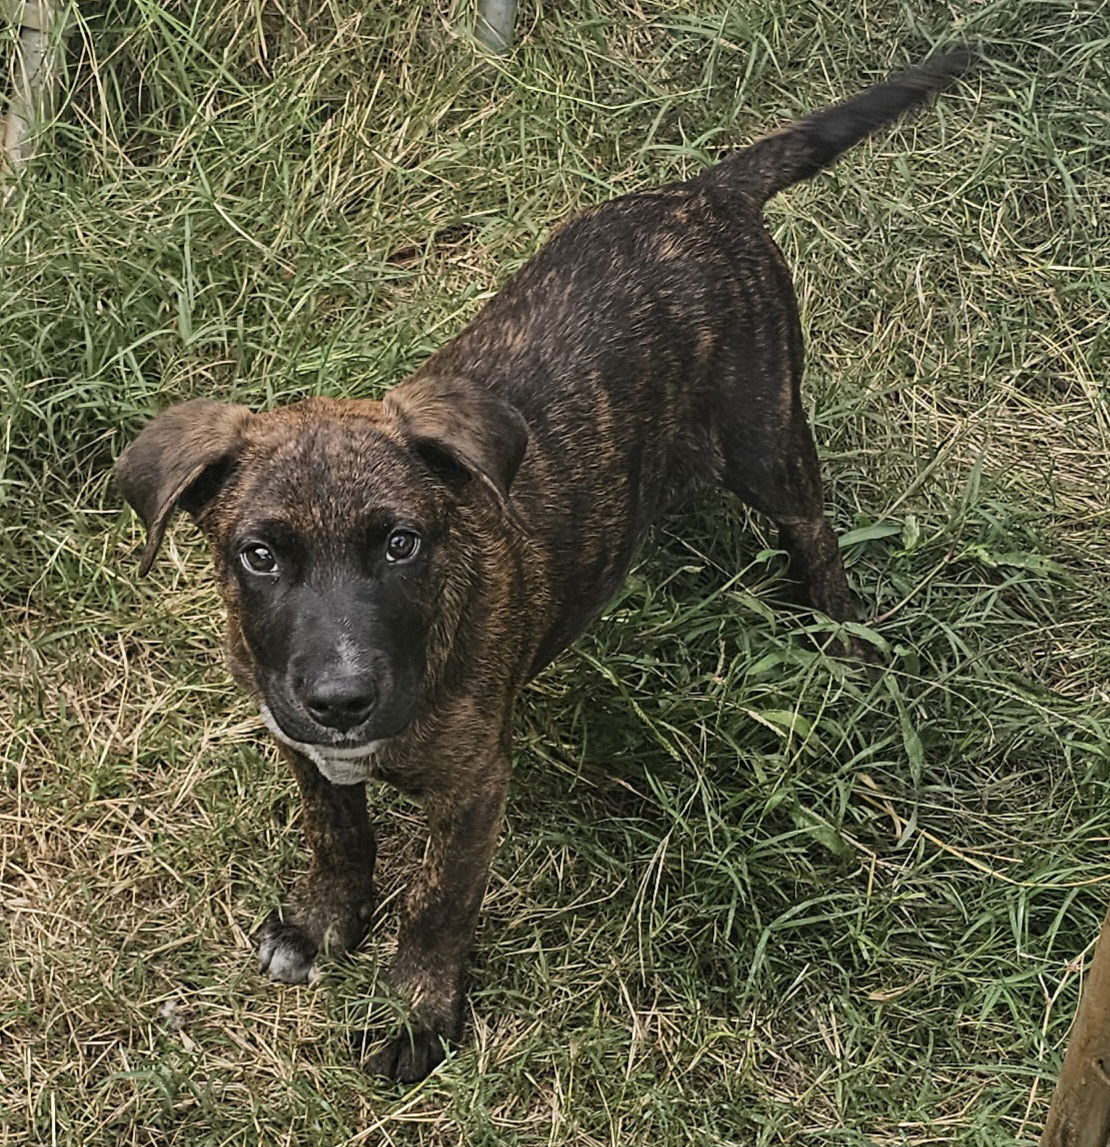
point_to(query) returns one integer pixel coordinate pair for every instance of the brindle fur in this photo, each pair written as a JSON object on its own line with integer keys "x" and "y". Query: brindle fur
{"x": 651, "y": 345}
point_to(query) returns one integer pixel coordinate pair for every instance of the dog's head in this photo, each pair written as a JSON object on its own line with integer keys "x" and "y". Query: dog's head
{"x": 346, "y": 536}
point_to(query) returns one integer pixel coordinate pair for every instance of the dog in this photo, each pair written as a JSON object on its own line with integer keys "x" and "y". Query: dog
{"x": 395, "y": 571}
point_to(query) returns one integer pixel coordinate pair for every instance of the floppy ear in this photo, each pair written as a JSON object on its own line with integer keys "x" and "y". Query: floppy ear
{"x": 462, "y": 431}
{"x": 177, "y": 462}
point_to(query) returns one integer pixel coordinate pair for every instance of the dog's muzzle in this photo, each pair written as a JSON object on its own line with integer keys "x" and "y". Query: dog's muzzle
{"x": 347, "y": 765}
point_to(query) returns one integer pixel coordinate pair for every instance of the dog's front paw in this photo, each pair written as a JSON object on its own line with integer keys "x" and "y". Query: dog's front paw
{"x": 408, "y": 1057}
{"x": 326, "y": 917}
{"x": 286, "y": 951}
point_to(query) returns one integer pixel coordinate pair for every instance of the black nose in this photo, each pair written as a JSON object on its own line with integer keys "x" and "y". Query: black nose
{"x": 340, "y": 701}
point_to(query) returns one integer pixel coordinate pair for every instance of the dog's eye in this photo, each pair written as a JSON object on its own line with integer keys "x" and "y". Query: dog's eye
{"x": 401, "y": 546}
{"x": 258, "y": 559}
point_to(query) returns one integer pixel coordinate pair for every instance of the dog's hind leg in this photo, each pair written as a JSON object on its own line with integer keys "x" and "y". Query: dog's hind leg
{"x": 330, "y": 908}
{"x": 771, "y": 463}
{"x": 781, "y": 480}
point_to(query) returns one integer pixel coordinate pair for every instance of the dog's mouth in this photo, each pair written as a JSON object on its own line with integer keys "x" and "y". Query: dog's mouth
{"x": 342, "y": 762}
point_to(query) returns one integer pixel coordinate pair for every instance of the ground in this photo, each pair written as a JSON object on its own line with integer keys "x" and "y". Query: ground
{"x": 745, "y": 895}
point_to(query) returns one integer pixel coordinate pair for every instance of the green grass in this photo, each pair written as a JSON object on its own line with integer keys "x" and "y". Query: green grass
{"x": 743, "y": 897}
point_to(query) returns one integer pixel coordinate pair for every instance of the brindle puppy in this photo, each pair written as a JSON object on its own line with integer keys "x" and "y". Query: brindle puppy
{"x": 395, "y": 571}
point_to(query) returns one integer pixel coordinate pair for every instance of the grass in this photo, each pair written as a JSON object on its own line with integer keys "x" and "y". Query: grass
{"x": 743, "y": 896}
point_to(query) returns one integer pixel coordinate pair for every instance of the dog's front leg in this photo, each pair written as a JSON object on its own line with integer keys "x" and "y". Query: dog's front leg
{"x": 330, "y": 908}
{"x": 442, "y": 913}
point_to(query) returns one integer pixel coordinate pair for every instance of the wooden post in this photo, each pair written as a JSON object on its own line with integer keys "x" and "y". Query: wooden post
{"x": 494, "y": 25}
{"x": 1079, "y": 1115}
{"x": 37, "y": 70}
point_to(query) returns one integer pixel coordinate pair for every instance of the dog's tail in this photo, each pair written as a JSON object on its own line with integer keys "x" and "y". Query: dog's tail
{"x": 810, "y": 144}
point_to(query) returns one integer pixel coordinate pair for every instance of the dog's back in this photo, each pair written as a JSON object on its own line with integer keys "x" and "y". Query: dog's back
{"x": 654, "y": 344}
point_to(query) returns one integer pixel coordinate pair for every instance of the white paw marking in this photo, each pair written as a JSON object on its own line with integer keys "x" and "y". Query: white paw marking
{"x": 285, "y": 961}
